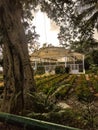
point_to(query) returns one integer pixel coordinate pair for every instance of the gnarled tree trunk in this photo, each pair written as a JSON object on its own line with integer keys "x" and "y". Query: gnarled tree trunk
{"x": 18, "y": 74}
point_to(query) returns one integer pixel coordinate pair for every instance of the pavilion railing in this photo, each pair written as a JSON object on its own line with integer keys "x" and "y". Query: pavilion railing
{"x": 26, "y": 122}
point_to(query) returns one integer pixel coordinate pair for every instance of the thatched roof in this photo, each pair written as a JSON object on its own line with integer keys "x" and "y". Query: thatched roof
{"x": 54, "y": 53}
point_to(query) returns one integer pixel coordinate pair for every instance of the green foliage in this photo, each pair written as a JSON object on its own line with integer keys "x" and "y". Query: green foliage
{"x": 87, "y": 62}
{"x": 88, "y": 8}
{"x": 91, "y": 63}
{"x": 88, "y": 112}
{"x": 58, "y": 87}
{"x": 50, "y": 86}
{"x": 64, "y": 91}
{"x": 93, "y": 69}
{"x": 1, "y": 89}
{"x": 63, "y": 117}
{"x": 71, "y": 86}
{"x": 59, "y": 70}
{"x": 39, "y": 103}
{"x": 61, "y": 94}
{"x": 40, "y": 70}
{"x": 94, "y": 82}
{"x": 94, "y": 55}
{"x": 67, "y": 70}
{"x": 85, "y": 96}
{"x": 82, "y": 90}
{"x": 47, "y": 79}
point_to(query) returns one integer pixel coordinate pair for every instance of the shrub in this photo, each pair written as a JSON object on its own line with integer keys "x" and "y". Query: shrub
{"x": 40, "y": 70}
{"x": 67, "y": 70}
{"x": 59, "y": 70}
{"x": 94, "y": 68}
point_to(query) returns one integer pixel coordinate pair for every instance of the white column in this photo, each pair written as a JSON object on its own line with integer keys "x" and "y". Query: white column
{"x": 35, "y": 65}
{"x": 78, "y": 67}
{"x": 83, "y": 65}
{"x": 71, "y": 68}
{"x": 65, "y": 61}
{"x": 74, "y": 63}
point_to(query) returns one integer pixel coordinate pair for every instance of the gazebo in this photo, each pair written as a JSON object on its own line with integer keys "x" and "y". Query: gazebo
{"x": 50, "y": 57}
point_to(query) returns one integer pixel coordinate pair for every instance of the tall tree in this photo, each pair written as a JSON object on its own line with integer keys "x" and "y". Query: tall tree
{"x": 88, "y": 11}
{"x": 76, "y": 18}
{"x": 86, "y": 20}
{"x": 33, "y": 38}
{"x": 18, "y": 73}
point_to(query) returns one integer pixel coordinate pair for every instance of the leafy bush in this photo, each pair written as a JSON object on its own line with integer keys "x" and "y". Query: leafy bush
{"x": 40, "y": 70}
{"x": 94, "y": 68}
{"x": 66, "y": 117}
{"x": 39, "y": 104}
{"x": 87, "y": 62}
{"x": 67, "y": 70}
{"x": 59, "y": 70}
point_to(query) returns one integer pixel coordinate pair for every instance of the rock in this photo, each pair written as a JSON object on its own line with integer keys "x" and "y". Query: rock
{"x": 63, "y": 105}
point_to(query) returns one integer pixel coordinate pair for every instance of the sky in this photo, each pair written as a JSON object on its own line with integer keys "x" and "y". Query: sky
{"x": 48, "y": 30}
{"x": 96, "y": 35}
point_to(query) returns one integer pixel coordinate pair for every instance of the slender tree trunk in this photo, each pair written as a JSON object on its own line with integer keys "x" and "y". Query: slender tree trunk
{"x": 18, "y": 74}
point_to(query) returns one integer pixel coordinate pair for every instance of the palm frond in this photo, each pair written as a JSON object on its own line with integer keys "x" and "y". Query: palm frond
{"x": 96, "y": 27}
{"x": 94, "y": 18}
{"x": 88, "y": 2}
{"x": 88, "y": 12}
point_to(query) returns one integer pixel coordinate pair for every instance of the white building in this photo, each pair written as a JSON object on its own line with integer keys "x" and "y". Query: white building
{"x": 50, "y": 57}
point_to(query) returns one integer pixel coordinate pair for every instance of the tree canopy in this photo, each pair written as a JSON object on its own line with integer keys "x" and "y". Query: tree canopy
{"x": 88, "y": 11}
{"x": 74, "y": 22}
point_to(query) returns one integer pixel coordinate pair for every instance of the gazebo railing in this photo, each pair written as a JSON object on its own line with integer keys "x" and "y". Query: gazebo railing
{"x": 26, "y": 122}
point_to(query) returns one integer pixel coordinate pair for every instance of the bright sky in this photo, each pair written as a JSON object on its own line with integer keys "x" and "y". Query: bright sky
{"x": 96, "y": 34}
{"x": 46, "y": 28}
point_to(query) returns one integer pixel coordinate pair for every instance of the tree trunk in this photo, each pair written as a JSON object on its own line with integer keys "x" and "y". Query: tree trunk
{"x": 18, "y": 74}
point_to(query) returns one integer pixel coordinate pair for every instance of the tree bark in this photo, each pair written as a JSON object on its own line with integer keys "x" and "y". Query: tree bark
{"x": 18, "y": 74}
